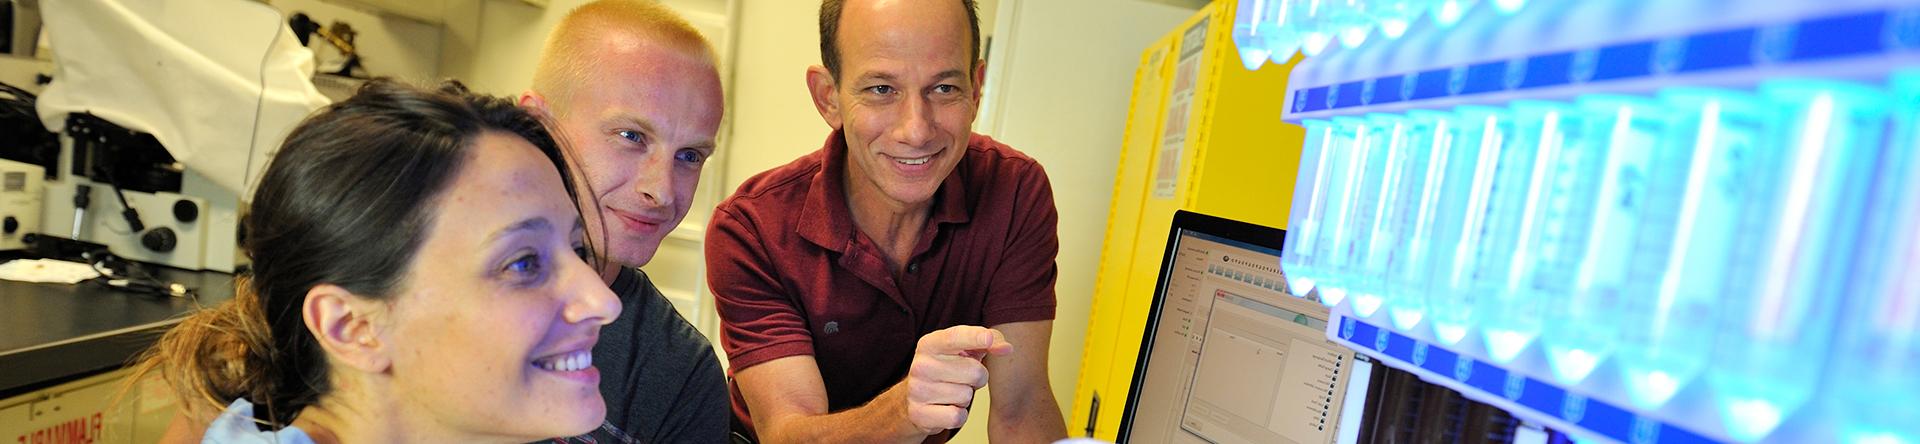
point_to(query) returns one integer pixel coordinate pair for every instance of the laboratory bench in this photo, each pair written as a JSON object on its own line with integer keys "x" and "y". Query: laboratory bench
{"x": 54, "y": 333}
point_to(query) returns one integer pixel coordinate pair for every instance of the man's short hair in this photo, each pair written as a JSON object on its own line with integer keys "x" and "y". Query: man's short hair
{"x": 830, "y": 33}
{"x": 568, "y": 57}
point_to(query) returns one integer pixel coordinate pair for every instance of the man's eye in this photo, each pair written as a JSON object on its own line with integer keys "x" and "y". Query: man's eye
{"x": 583, "y": 252}
{"x": 946, "y": 89}
{"x": 633, "y": 136}
{"x": 880, "y": 89}
{"x": 691, "y": 156}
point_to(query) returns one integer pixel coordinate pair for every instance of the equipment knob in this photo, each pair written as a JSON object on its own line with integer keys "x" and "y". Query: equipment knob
{"x": 185, "y": 211}
{"x": 159, "y": 239}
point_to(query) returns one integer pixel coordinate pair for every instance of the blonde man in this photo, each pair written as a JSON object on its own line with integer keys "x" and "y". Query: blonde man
{"x": 635, "y": 92}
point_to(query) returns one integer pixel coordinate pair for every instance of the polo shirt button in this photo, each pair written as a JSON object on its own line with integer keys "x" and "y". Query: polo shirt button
{"x": 913, "y": 268}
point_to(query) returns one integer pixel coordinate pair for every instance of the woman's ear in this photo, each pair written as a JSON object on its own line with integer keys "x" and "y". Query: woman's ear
{"x": 342, "y": 323}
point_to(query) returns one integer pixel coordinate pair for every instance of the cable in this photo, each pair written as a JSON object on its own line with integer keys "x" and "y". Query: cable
{"x": 127, "y": 211}
{"x": 135, "y": 279}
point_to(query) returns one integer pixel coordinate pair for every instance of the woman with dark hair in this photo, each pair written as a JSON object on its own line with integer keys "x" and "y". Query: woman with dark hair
{"x": 420, "y": 274}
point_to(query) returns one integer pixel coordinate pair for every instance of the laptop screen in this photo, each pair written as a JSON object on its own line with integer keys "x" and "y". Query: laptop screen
{"x": 1230, "y": 356}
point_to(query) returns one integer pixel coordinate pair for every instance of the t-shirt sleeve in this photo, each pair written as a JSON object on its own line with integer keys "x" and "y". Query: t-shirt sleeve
{"x": 759, "y": 320}
{"x": 1022, "y": 288}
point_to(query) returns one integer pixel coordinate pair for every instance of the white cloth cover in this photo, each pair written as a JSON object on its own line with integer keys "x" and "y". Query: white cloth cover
{"x": 46, "y": 271}
{"x": 218, "y": 82}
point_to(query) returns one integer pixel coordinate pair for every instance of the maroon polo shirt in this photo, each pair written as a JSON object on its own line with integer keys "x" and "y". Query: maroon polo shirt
{"x": 793, "y": 276}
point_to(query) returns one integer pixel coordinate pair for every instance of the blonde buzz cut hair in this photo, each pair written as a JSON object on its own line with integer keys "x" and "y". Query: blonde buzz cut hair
{"x": 569, "y": 55}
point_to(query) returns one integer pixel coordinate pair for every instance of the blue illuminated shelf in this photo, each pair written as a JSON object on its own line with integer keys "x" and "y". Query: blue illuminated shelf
{"x": 1527, "y": 397}
{"x": 1563, "y": 50}
{"x": 1594, "y": 410}
{"x": 1863, "y": 40}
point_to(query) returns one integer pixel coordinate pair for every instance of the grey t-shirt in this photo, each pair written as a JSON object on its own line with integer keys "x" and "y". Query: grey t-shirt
{"x": 660, "y": 377}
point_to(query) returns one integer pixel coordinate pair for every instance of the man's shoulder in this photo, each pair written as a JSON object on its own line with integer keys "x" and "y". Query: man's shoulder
{"x": 770, "y": 202}
{"x": 780, "y": 183}
{"x": 655, "y": 317}
{"x": 653, "y": 327}
{"x": 993, "y": 168}
{"x": 649, "y": 330}
{"x": 660, "y": 376}
{"x": 998, "y": 158}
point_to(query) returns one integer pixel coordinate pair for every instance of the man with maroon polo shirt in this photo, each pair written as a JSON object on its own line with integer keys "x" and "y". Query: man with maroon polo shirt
{"x": 853, "y": 283}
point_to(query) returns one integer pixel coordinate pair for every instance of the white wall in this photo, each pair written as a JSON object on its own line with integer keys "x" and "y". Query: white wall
{"x": 1059, "y": 83}
{"x": 773, "y": 118}
{"x": 21, "y": 71}
{"x": 500, "y": 57}
{"x": 389, "y": 46}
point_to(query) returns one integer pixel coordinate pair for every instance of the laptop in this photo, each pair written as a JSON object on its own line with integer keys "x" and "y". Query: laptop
{"x": 1231, "y": 356}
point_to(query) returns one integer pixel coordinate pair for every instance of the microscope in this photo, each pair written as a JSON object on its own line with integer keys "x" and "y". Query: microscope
{"x": 123, "y": 190}
{"x": 27, "y": 156}
{"x": 167, "y": 111}
{"x": 21, "y": 191}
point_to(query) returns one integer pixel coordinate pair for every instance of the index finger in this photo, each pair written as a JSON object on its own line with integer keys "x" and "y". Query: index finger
{"x": 965, "y": 340}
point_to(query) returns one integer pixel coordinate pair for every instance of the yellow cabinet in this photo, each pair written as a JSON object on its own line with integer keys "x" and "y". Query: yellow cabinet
{"x": 1203, "y": 134}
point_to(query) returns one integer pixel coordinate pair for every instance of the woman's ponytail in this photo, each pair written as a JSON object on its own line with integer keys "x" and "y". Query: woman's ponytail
{"x": 216, "y": 355}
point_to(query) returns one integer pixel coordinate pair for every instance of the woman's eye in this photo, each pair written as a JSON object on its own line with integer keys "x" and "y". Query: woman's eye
{"x": 525, "y": 265}
{"x": 582, "y": 252}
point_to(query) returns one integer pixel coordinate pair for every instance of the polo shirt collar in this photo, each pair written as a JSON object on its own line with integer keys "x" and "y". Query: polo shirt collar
{"x": 827, "y": 220}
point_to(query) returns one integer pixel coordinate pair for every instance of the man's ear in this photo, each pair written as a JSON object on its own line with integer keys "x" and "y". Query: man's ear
{"x": 342, "y": 323}
{"x": 979, "y": 80}
{"x": 826, "y": 97}
{"x": 535, "y": 102}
